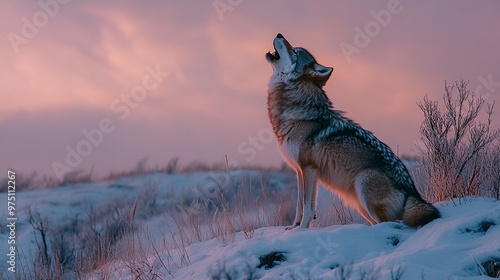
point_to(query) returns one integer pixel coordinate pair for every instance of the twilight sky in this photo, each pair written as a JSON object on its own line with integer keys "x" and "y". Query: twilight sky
{"x": 103, "y": 84}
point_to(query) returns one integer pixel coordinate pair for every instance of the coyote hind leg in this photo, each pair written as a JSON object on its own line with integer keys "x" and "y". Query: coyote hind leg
{"x": 379, "y": 201}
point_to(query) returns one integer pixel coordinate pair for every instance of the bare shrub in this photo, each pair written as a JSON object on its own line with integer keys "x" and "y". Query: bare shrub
{"x": 172, "y": 166}
{"x": 491, "y": 175}
{"x": 197, "y": 166}
{"x": 139, "y": 169}
{"x": 29, "y": 181}
{"x": 454, "y": 142}
{"x": 76, "y": 176}
{"x": 81, "y": 245}
{"x": 87, "y": 243}
{"x": 42, "y": 260}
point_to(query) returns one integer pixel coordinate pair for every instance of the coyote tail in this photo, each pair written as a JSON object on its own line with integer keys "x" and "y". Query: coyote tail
{"x": 417, "y": 212}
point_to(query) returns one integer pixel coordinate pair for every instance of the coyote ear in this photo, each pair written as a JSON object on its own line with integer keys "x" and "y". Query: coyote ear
{"x": 322, "y": 73}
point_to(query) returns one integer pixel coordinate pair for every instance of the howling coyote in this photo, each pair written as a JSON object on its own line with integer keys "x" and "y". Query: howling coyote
{"x": 320, "y": 144}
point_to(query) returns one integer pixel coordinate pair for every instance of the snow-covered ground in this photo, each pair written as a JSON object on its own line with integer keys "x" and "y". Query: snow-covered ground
{"x": 452, "y": 247}
{"x": 455, "y": 246}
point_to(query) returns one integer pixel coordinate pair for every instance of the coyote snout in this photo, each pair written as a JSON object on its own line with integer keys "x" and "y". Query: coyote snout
{"x": 322, "y": 145}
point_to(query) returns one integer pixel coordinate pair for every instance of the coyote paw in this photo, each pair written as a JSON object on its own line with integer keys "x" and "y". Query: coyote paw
{"x": 292, "y": 227}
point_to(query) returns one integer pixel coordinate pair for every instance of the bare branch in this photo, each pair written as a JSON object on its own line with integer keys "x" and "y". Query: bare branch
{"x": 455, "y": 141}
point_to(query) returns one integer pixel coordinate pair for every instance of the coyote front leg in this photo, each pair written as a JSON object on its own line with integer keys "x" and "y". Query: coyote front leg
{"x": 300, "y": 200}
{"x": 310, "y": 197}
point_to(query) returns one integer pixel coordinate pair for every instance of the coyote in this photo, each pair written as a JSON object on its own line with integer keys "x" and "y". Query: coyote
{"x": 321, "y": 144}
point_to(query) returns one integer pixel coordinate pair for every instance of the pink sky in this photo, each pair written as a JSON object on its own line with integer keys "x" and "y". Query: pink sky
{"x": 67, "y": 66}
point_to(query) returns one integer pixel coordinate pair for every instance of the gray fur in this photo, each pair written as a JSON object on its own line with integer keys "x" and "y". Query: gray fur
{"x": 321, "y": 144}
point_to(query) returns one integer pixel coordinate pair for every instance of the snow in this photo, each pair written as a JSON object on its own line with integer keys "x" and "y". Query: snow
{"x": 445, "y": 248}
{"x": 452, "y": 247}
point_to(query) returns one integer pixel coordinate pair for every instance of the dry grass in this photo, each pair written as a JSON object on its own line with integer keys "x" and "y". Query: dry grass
{"x": 91, "y": 245}
{"x": 110, "y": 241}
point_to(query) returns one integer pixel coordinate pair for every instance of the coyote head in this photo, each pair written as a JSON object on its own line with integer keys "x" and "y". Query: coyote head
{"x": 294, "y": 63}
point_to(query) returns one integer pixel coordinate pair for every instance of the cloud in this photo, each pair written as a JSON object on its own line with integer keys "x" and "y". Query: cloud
{"x": 93, "y": 53}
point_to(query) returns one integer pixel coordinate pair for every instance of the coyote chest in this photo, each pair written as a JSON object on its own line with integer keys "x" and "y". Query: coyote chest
{"x": 290, "y": 151}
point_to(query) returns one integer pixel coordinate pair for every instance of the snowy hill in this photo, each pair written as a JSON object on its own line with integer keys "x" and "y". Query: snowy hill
{"x": 454, "y": 246}
{"x": 214, "y": 225}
